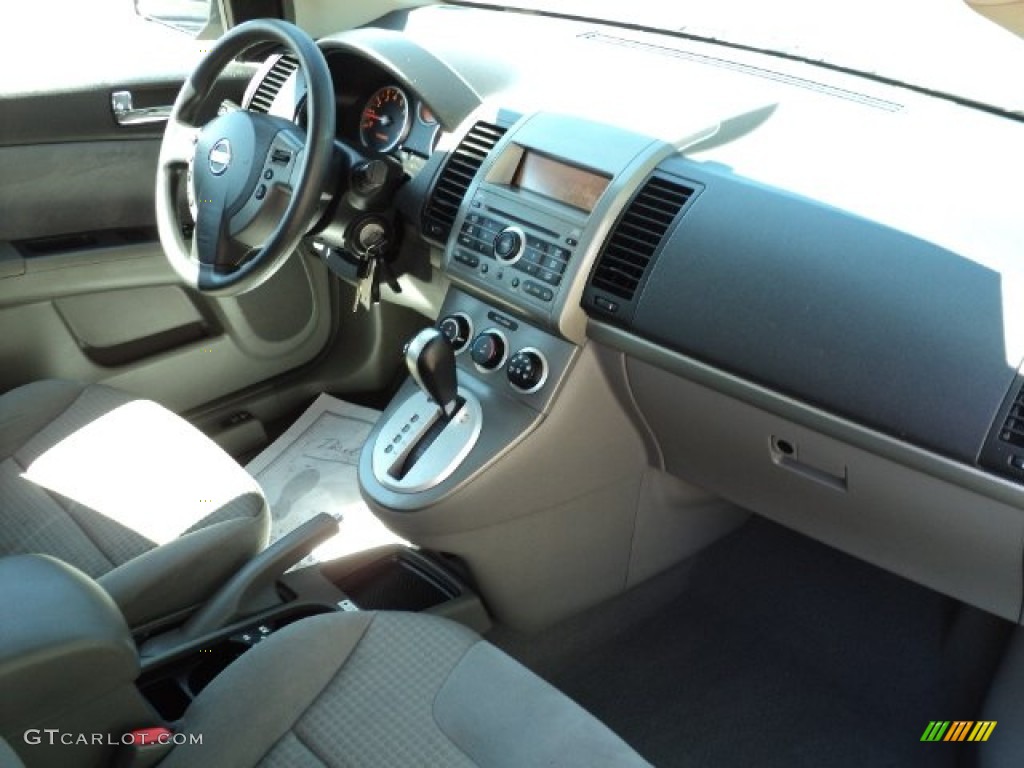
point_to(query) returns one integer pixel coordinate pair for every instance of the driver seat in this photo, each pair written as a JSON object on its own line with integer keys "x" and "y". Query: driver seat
{"x": 127, "y": 492}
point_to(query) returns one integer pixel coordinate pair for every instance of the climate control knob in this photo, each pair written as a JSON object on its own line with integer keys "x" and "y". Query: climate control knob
{"x": 457, "y": 329}
{"x": 488, "y": 350}
{"x": 526, "y": 370}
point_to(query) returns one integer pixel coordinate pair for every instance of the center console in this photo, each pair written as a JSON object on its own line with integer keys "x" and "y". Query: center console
{"x": 520, "y": 251}
{"x": 534, "y": 474}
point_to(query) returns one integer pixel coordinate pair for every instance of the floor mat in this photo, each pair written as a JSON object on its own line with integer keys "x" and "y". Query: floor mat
{"x": 778, "y": 651}
{"x": 312, "y": 468}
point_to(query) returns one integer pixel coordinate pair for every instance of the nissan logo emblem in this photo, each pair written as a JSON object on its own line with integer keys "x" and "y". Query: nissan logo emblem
{"x": 220, "y": 157}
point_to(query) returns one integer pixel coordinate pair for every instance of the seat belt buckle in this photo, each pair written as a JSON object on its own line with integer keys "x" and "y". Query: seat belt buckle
{"x": 147, "y": 747}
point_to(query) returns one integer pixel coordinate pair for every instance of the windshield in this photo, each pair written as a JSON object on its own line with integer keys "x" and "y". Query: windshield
{"x": 939, "y": 45}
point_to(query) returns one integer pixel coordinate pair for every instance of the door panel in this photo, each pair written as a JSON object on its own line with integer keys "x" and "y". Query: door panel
{"x": 66, "y": 306}
{"x": 85, "y": 290}
{"x": 76, "y": 187}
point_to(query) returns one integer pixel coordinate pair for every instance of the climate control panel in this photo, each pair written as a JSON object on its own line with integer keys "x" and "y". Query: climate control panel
{"x": 503, "y": 351}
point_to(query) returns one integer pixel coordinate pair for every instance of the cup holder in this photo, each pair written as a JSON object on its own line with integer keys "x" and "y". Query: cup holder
{"x": 397, "y": 582}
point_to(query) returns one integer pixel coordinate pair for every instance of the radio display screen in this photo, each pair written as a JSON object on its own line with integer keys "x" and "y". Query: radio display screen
{"x": 565, "y": 183}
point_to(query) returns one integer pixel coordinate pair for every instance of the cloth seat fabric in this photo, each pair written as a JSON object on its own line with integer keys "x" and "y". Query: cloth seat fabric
{"x": 126, "y": 491}
{"x": 388, "y": 689}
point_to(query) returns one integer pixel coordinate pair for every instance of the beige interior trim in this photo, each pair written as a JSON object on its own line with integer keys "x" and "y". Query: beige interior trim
{"x": 1008, "y": 14}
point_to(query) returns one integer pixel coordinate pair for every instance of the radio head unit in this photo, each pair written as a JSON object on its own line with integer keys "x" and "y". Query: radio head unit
{"x": 535, "y": 208}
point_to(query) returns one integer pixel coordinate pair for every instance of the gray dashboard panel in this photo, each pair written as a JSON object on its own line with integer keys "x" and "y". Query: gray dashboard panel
{"x": 846, "y": 314}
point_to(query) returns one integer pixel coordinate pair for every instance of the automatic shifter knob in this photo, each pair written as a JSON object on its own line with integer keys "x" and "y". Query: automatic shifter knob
{"x": 431, "y": 363}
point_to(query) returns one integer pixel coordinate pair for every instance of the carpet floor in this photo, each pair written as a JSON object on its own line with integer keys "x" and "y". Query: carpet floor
{"x": 770, "y": 649}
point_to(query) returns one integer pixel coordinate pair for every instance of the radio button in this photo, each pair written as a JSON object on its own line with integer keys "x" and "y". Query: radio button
{"x": 467, "y": 258}
{"x": 537, "y": 244}
{"x": 538, "y": 291}
{"x": 554, "y": 265}
{"x": 559, "y": 253}
{"x": 549, "y": 277}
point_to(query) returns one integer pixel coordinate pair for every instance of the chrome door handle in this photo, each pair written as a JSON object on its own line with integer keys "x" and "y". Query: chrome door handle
{"x": 126, "y": 114}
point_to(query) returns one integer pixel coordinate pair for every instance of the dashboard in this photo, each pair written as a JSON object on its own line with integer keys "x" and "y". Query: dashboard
{"x": 813, "y": 288}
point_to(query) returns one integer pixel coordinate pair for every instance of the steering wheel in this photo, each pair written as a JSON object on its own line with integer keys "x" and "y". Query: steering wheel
{"x": 255, "y": 181}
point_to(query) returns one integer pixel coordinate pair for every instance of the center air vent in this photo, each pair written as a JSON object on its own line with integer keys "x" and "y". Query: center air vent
{"x": 263, "y": 97}
{"x": 1013, "y": 425}
{"x": 1003, "y": 451}
{"x": 626, "y": 259}
{"x": 455, "y": 178}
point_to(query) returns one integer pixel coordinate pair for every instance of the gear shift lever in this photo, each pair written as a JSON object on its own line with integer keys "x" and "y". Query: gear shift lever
{"x": 431, "y": 362}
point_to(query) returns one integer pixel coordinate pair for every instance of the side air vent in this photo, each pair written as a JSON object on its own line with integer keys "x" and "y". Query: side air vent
{"x": 1003, "y": 451}
{"x": 455, "y": 178}
{"x": 625, "y": 261}
{"x": 1013, "y": 425}
{"x": 263, "y": 97}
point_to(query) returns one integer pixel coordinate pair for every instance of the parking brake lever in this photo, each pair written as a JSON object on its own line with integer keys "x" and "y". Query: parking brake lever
{"x": 252, "y": 589}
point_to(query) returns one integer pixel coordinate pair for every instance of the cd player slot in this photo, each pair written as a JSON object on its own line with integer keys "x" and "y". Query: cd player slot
{"x": 526, "y": 223}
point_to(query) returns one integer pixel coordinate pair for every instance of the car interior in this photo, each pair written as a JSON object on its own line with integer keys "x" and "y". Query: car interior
{"x": 697, "y": 369}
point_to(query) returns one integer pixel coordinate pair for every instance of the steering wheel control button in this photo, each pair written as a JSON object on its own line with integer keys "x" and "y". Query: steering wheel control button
{"x": 268, "y": 174}
{"x": 458, "y": 330}
{"x": 281, "y": 156}
{"x": 261, "y": 191}
{"x": 488, "y": 350}
{"x": 527, "y": 371}
{"x": 508, "y": 245}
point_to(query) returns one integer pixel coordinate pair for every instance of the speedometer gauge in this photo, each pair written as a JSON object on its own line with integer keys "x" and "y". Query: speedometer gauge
{"x": 385, "y": 119}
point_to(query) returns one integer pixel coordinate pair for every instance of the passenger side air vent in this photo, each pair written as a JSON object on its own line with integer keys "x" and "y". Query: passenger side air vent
{"x": 1003, "y": 451}
{"x": 455, "y": 178}
{"x": 263, "y": 97}
{"x": 627, "y": 257}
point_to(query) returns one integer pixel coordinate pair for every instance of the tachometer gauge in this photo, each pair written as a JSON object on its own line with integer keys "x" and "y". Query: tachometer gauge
{"x": 385, "y": 119}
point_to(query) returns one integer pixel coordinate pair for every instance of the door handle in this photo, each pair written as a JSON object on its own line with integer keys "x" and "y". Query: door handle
{"x": 126, "y": 114}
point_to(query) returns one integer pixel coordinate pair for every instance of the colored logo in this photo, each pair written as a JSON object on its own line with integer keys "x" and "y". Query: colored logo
{"x": 959, "y": 730}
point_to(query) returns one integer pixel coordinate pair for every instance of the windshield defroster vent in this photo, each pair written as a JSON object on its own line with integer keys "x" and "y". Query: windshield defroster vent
{"x": 1003, "y": 451}
{"x": 629, "y": 252}
{"x": 263, "y": 97}
{"x": 455, "y": 178}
